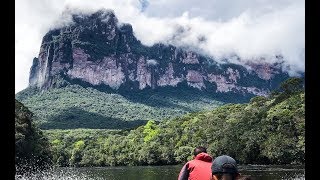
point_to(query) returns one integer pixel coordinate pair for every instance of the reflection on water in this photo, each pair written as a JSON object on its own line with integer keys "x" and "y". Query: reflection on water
{"x": 54, "y": 174}
{"x": 158, "y": 173}
{"x": 265, "y": 172}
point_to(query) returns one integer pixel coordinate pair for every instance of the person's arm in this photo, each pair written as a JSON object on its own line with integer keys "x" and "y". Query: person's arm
{"x": 184, "y": 173}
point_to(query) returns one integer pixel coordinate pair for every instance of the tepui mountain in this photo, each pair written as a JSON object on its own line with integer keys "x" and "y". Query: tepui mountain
{"x": 98, "y": 50}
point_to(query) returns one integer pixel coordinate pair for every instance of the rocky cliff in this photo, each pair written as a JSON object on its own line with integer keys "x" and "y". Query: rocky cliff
{"x": 99, "y": 50}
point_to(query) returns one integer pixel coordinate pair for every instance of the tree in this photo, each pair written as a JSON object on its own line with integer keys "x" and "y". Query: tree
{"x": 287, "y": 88}
{"x": 291, "y": 85}
{"x": 150, "y": 131}
{"x": 183, "y": 154}
{"x": 77, "y": 153}
{"x": 31, "y": 146}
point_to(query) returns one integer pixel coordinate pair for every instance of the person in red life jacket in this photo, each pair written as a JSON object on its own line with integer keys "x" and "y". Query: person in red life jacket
{"x": 199, "y": 168}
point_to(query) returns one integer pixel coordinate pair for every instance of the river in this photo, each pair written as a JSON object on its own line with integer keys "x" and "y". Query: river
{"x": 259, "y": 172}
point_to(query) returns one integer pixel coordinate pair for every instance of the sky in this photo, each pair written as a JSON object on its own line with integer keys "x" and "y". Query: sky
{"x": 218, "y": 28}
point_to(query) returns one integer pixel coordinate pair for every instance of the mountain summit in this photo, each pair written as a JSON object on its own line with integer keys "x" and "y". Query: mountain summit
{"x": 98, "y": 50}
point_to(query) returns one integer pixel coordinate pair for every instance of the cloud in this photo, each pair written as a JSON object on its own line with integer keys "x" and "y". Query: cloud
{"x": 249, "y": 29}
{"x": 144, "y": 4}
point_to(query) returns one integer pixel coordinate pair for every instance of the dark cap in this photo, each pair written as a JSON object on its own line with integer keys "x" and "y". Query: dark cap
{"x": 224, "y": 164}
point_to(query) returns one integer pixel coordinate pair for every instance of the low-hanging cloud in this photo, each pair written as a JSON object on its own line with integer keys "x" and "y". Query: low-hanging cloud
{"x": 248, "y": 29}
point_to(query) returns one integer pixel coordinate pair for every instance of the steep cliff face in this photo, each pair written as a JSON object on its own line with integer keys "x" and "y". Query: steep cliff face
{"x": 97, "y": 49}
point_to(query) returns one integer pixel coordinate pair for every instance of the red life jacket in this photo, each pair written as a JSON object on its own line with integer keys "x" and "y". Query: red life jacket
{"x": 197, "y": 169}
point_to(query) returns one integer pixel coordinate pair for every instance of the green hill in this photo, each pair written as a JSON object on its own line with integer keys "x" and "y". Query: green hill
{"x": 75, "y": 106}
{"x": 264, "y": 131}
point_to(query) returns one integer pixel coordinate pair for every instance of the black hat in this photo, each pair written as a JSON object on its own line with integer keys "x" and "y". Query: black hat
{"x": 224, "y": 164}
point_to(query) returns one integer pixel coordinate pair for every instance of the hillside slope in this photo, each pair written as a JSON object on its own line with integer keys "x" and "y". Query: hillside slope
{"x": 75, "y": 106}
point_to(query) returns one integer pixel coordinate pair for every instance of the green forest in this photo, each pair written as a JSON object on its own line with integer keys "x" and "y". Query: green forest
{"x": 267, "y": 130}
{"x": 75, "y": 106}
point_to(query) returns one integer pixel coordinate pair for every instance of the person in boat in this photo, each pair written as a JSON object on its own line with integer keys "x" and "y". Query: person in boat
{"x": 225, "y": 168}
{"x": 199, "y": 167}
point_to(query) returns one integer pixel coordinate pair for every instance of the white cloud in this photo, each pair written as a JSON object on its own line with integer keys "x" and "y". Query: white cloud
{"x": 219, "y": 28}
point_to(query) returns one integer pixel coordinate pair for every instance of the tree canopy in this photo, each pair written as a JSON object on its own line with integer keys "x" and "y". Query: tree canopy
{"x": 267, "y": 130}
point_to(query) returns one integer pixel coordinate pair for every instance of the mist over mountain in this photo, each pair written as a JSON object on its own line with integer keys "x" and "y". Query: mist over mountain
{"x": 99, "y": 50}
{"x": 255, "y": 31}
